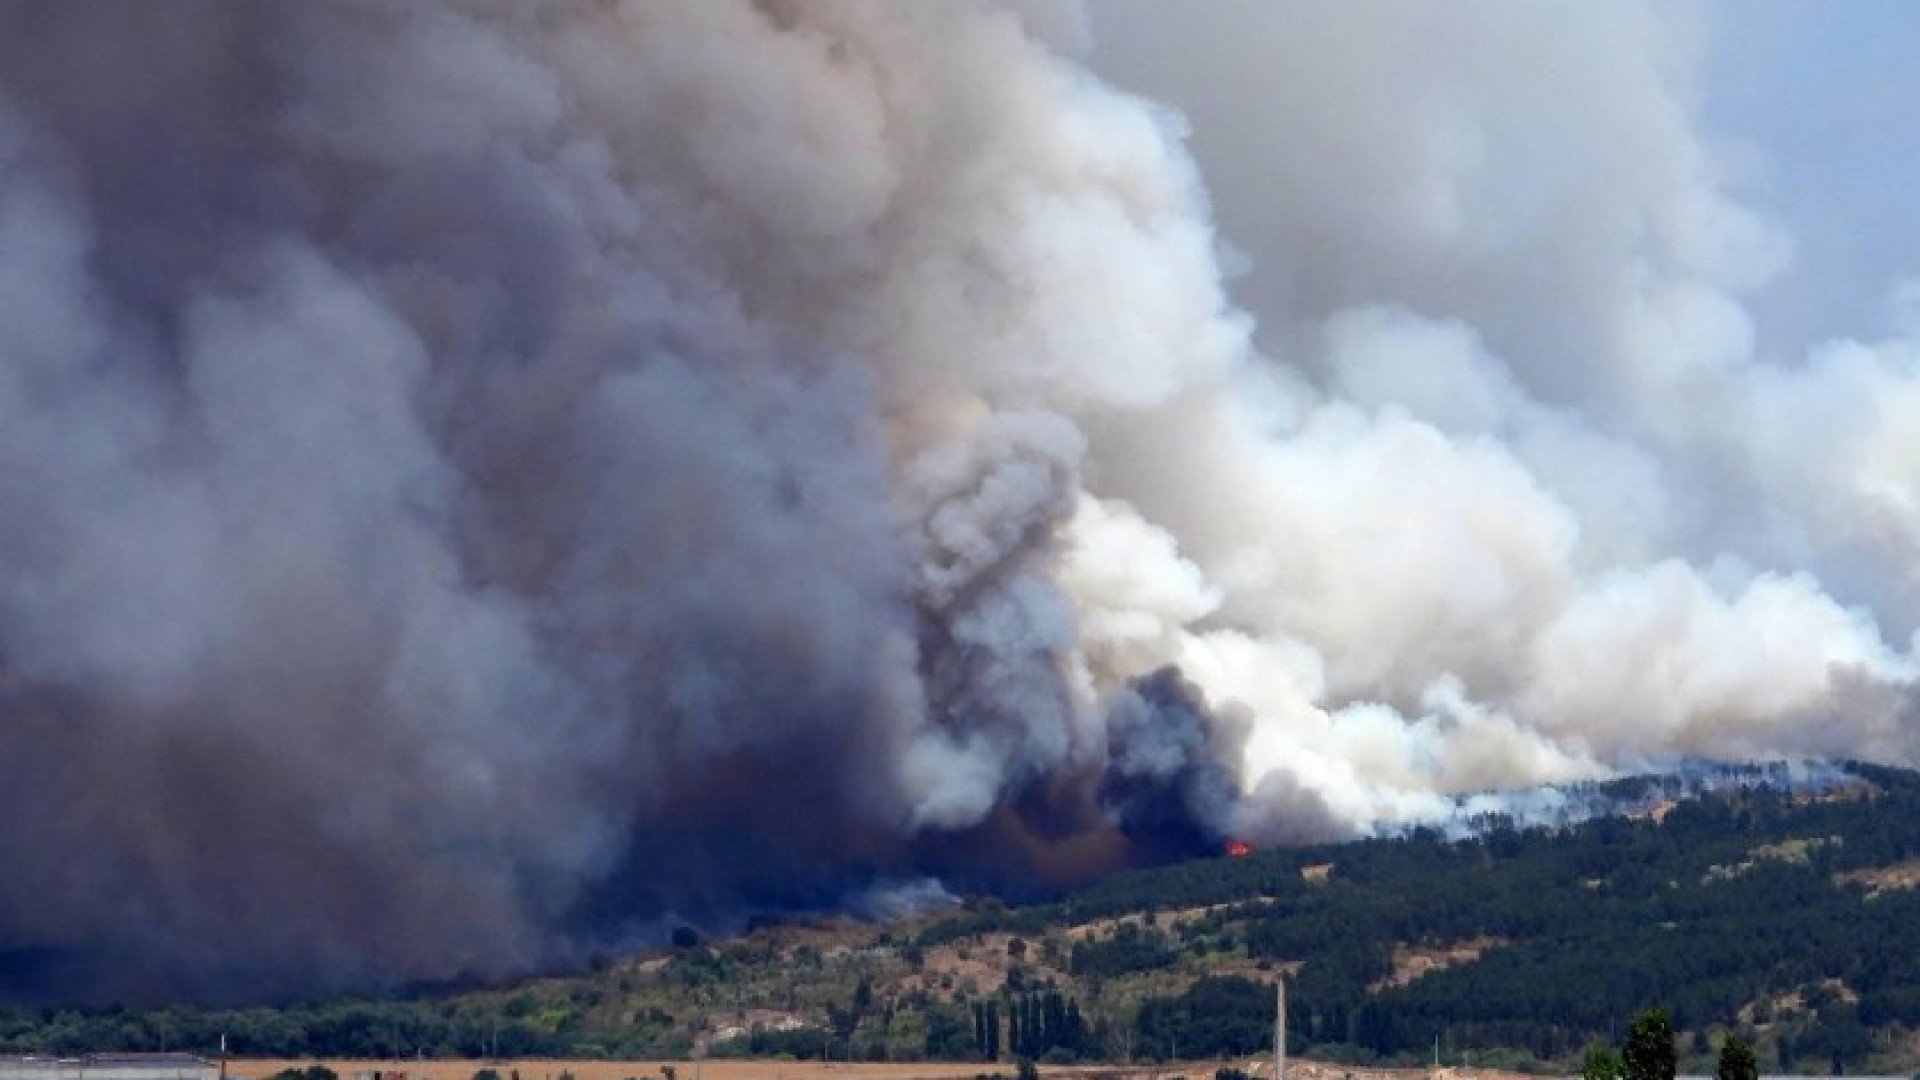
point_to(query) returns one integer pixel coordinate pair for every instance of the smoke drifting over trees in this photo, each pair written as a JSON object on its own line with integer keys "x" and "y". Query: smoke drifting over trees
{"x": 479, "y": 478}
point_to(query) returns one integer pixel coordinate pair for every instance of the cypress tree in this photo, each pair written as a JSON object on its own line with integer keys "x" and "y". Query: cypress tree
{"x": 1649, "y": 1053}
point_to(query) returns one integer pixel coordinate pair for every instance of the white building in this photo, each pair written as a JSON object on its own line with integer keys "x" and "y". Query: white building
{"x": 110, "y": 1067}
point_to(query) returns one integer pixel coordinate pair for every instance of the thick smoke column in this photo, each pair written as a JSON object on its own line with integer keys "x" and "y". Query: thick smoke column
{"x": 478, "y": 478}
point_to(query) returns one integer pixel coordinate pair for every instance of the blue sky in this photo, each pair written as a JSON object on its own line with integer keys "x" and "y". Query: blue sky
{"x": 1828, "y": 97}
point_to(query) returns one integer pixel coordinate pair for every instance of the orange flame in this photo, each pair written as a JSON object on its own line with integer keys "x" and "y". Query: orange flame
{"x": 1238, "y": 849}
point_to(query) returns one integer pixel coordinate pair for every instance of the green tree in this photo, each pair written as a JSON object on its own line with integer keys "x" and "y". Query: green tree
{"x": 1602, "y": 1064}
{"x": 1649, "y": 1052}
{"x": 947, "y": 1035}
{"x": 1736, "y": 1061}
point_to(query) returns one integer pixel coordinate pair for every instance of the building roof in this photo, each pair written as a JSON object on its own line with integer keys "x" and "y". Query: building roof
{"x": 43, "y": 1061}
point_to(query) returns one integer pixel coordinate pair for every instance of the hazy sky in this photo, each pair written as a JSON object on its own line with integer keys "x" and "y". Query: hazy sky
{"x": 1825, "y": 95}
{"x": 1811, "y": 105}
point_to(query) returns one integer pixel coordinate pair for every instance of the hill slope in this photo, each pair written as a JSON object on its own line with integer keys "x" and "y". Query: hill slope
{"x": 1790, "y": 917}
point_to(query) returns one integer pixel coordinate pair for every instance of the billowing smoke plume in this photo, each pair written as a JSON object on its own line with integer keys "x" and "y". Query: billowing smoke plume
{"x": 480, "y": 478}
{"x": 1558, "y": 805}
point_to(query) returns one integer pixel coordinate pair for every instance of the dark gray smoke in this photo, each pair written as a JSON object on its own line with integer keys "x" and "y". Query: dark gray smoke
{"x": 479, "y": 478}
{"x": 451, "y": 510}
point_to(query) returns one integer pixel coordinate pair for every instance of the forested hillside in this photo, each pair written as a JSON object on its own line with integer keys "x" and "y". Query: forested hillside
{"x": 1789, "y": 917}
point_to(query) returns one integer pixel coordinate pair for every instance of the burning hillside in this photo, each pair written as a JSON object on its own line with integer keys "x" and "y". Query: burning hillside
{"x": 481, "y": 480}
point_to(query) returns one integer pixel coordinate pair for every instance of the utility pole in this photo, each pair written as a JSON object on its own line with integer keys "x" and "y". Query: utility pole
{"x": 1280, "y": 1027}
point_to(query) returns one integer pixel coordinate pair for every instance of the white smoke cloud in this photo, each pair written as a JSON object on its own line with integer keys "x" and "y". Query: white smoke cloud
{"x": 509, "y": 470}
{"x": 1571, "y": 522}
